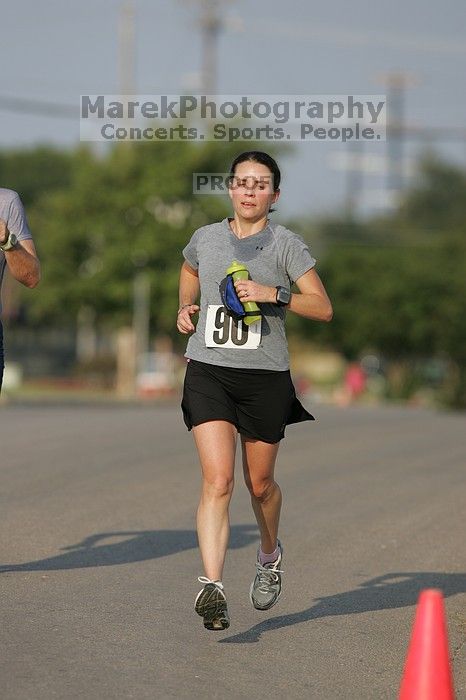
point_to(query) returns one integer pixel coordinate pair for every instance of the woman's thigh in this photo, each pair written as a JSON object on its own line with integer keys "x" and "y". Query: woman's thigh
{"x": 216, "y": 445}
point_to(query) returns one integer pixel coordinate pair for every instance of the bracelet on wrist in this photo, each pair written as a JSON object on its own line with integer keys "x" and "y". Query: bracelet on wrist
{"x": 183, "y": 307}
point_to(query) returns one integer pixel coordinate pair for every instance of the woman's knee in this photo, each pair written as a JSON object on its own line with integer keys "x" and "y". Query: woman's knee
{"x": 261, "y": 489}
{"x": 218, "y": 486}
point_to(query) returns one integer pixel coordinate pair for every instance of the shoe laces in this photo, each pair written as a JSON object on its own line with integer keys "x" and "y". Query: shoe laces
{"x": 267, "y": 576}
{"x": 204, "y": 580}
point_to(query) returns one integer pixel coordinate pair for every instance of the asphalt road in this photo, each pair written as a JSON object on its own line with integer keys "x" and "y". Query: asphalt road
{"x": 99, "y": 562}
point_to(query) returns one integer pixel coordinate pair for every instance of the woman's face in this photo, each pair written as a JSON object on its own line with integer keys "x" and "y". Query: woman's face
{"x": 251, "y": 191}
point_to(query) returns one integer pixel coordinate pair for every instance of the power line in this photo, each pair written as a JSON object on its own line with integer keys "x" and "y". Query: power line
{"x": 23, "y": 105}
{"x": 339, "y": 36}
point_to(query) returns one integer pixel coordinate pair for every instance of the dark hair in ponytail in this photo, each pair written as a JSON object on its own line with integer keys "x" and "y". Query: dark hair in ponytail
{"x": 262, "y": 158}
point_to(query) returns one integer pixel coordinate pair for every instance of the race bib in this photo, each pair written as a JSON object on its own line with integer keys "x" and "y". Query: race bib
{"x": 223, "y": 331}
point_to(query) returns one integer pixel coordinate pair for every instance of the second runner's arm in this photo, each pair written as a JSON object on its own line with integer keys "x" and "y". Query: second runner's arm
{"x": 22, "y": 259}
{"x": 189, "y": 289}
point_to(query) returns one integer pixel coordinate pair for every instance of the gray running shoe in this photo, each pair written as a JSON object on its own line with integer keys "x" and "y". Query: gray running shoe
{"x": 267, "y": 585}
{"x": 211, "y": 604}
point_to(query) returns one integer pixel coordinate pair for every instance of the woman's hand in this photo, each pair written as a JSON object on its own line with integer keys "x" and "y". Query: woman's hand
{"x": 248, "y": 290}
{"x": 183, "y": 321}
{"x": 4, "y": 232}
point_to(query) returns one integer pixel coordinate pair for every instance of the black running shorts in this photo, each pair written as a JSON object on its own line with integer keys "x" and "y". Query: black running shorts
{"x": 259, "y": 402}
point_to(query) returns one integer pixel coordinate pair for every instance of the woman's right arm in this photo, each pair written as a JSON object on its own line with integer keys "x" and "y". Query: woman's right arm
{"x": 188, "y": 293}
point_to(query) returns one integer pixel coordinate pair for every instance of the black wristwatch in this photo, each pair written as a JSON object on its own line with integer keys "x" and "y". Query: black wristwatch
{"x": 283, "y": 296}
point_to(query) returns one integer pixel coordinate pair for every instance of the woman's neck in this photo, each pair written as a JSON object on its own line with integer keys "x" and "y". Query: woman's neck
{"x": 243, "y": 229}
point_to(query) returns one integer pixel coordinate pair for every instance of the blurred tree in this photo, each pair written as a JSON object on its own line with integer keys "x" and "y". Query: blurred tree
{"x": 32, "y": 172}
{"x": 437, "y": 203}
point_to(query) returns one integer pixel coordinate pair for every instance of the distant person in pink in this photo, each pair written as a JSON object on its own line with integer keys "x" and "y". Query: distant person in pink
{"x": 355, "y": 381}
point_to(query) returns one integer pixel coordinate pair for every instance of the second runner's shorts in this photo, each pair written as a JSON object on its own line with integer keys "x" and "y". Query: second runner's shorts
{"x": 259, "y": 402}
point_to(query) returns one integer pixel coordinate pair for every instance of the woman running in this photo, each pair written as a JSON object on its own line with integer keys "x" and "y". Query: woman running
{"x": 237, "y": 377}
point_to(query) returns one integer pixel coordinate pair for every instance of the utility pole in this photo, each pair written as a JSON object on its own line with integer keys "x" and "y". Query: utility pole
{"x": 126, "y": 49}
{"x": 211, "y": 25}
{"x": 141, "y": 312}
{"x": 397, "y": 131}
{"x": 354, "y": 178}
{"x": 396, "y": 87}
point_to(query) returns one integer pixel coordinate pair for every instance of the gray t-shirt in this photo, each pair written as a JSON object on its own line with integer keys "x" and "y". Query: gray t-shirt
{"x": 12, "y": 212}
{"x": 273, "y": 256}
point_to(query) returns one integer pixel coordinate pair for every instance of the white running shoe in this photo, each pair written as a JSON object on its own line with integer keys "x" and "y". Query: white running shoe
{"x": 266, "y": 588}
{"x": 211, "y": 604}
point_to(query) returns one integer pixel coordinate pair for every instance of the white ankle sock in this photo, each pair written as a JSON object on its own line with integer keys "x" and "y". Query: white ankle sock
{"x": 268, "y": 558}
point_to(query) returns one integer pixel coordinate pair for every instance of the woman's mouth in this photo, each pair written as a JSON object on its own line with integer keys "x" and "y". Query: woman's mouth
{"x": 248, "y": 204}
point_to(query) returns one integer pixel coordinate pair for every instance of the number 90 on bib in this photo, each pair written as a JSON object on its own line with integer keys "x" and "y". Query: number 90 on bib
{"x": 223, "y": 331}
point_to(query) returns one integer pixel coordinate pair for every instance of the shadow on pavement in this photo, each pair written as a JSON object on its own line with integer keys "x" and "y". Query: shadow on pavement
{"x": 130, "y": 546}
{"x": 395, "y": 590}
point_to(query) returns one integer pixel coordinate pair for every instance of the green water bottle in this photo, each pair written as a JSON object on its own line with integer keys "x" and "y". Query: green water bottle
{"x": 240, "y": 272}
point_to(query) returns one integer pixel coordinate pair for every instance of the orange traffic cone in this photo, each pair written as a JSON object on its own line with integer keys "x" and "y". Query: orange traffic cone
{"x": 427, "y": 674}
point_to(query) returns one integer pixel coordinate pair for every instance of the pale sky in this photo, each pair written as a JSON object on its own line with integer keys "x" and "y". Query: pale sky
{"x": 55, "y": 50}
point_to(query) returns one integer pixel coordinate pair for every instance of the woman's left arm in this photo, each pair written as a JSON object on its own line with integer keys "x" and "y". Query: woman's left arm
{"x": 313, "y": 301}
